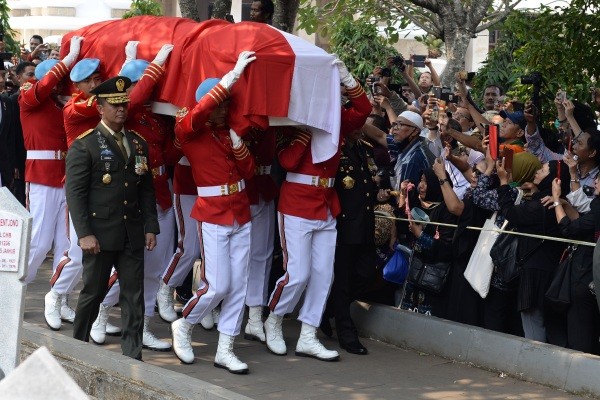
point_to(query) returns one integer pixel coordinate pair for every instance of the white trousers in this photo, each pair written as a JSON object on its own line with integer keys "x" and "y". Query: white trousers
{"x": 68, "y": 272}
{"x": 261, "y": 252}
{"x": 308, "y": 253}
{"x": 48, "y": 208}
{"x": 224, "y": 252}
{"x": 154, "y": 262}
{"x": 188, "y": 245}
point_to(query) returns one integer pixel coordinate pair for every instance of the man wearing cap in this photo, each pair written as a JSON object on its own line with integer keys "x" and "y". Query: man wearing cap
{"x": 308, "y": 206}
{"x": 411, "y": 158}
{"x": 159, "y": 137}
{"x": 221, "y": 164}
{"x": 112, "y": 205}
{"x": 46, "y": 144}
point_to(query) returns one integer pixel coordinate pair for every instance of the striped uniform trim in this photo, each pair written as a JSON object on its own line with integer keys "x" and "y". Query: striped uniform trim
{"x": 59, "y": 269}
{"x": 200, "y": 292}
{"x": 153, "y": 71}
{"x": 241, "y": 152}
{"x": 219, "y": 94}
{"x": 111, "y": 281}
{"x": 180, "y": 250}
{"x": 281, "y": 285}
{"x": 355, "y": 92}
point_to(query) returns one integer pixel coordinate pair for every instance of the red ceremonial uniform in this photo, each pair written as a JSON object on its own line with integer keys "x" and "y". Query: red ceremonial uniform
{"x": 157, "y": 133}
{"x": 80, "y": 115}
{"x": 43, "y": 128}
{"x": 261, "y": 145}
{"x": 313, "y": 202}
{"x": 214, "y": 162}
{"x": 183, "y": 180}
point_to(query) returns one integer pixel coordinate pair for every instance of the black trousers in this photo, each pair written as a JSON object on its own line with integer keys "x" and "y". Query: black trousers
{"x": 129, "y": 264}
{"x": 354, "y": 269}
{"x": 583, "y": 320}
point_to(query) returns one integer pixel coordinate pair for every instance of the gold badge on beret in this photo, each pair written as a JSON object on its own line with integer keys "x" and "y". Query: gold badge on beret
{"x": 348, "y": 182}
{"x": 106, "y": 179}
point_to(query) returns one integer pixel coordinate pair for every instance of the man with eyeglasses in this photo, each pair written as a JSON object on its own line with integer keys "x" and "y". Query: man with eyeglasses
{"x": 412, "y": 158}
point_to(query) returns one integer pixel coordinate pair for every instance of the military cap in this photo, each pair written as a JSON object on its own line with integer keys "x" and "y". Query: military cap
{"x": 84, "y": 69}
{"x": 205, "y": 87}
{"x": 134, "y": 69}
{"x": 113, "y": 90}
{"x": 42, "y": 68}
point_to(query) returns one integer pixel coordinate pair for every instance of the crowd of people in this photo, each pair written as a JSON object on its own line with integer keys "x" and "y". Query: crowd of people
{"x": 442, "y": 160}
{"x": 146, "y": 195}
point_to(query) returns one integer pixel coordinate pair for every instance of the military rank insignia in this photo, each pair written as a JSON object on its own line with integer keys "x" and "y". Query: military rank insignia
{"x": 141, "y": 165}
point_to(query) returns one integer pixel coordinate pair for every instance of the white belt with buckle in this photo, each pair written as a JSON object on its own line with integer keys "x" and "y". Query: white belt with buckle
{"x": 159, "y": 170}
{"x": 263, "y": 170}
{"x": 184, "y": 161}
{"x": 221, "y": 190}
{"x": 310, "y": 180}
{"x": 46, "y": 154}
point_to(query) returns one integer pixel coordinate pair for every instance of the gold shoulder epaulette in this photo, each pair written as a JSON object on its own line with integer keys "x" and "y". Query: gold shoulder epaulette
{"x": 181, "y": 113}
{"x": 90, "y": 101}
{"x": 137, "y": 134}
{"x": 84, "y": 134}
{"x": 26, "y": 86}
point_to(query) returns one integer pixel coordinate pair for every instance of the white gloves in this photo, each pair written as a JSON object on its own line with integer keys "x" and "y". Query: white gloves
{"x": 236, "y": 141}
{"x": 245, "y": 58}
{"x": 73, "y": 51}
{"x": 345, "y": 77}
{"x": 131, "y": 51}
{"x": 163, "y": 54}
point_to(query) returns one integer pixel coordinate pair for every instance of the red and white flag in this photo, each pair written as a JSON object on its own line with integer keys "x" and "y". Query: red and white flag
{"x": 291, "y": 81}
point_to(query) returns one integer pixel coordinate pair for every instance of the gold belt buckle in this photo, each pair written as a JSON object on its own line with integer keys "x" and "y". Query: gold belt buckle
{"x": 233, "y": 188}
{"x": 323, "y": 182}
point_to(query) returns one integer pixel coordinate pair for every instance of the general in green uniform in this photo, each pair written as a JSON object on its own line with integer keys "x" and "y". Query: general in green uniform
{"x": 111, "y": 202}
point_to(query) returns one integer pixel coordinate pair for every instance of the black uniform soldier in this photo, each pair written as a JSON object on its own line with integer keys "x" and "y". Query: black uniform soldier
{"x": 354, "y": 266}
{"x": 111, "y": 201}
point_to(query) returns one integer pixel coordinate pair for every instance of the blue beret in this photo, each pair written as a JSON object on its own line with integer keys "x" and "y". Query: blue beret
{"x": 134, "y": 69}
{"x": 205, "y": 87}
{"x": 43, "y": 68}
{"x": 84, "y": 69}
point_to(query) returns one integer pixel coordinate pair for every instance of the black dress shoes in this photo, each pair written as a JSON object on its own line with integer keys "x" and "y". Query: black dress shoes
{"x": 354, "y": 347}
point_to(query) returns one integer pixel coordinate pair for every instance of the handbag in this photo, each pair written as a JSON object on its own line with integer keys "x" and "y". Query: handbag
{"x": 480, "y": 267}
{"x": 428, "y": 276}
{"x": 558, "y": 294}
{"x": 396, "y": 268}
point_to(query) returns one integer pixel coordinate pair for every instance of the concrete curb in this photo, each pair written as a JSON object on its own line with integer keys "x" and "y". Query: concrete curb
{"x": 107, "y": 375}
{"x": 525, "y": 359}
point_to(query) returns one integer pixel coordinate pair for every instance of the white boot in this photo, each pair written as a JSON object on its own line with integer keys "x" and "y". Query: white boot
{"x": 164, "y": 299}
{"x": 254, "y": 328}
{"x": 67, "y": 314}
{"x": 52, "y": 309}
{"x": 207, "y": 322}
{"x": 225, "y": 358}
{"x": 274, "y": 335}
{"x": 151, "y": 342}
{"x": 98, "y": 332}
{"x": 182, "y": 340}
{"x": 112, "y": 330}
{"x": 309, "y": 346}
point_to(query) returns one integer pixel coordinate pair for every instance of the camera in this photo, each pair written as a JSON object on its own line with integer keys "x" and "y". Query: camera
{"x": 399, "y": 62}
{"x": 534, "y": 78}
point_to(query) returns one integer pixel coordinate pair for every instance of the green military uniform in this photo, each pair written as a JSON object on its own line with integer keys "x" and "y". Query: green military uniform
{"x": 111, "y": 196}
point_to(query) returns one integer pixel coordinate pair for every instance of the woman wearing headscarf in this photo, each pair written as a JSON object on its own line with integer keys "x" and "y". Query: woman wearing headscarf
{"x": 538, "y": 258}
{"x": 582, "y": 317}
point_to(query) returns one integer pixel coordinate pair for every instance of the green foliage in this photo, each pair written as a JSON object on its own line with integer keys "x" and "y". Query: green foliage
{"x": 430, "y": 41}
{"x": 9, "y": 34}
{"x": 562, "y": 43}
{"x": 359, "y": 45}
{"x": 143, "y": 7}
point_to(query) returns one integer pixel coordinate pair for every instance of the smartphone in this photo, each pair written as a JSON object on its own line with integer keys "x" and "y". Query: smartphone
{"x": 419, "y": 61}
{"x": 561, "y": 96}
{"x": 508, "y": 154}
{"x": 492, "y": 132}
{"x": 437, "y": 92}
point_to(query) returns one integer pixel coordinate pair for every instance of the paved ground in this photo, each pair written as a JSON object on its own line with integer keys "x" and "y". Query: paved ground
{"x": 387, "y": 372}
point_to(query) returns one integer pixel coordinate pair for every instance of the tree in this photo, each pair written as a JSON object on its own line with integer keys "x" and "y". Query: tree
{"x": 285, "y": 14}
{"x": 221, "y": 8}
{"x": 143, "y": 7}
{"x": 453, "y": 21}
{"x": 9, "y": 34}
{"x": 189, "y": 9}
